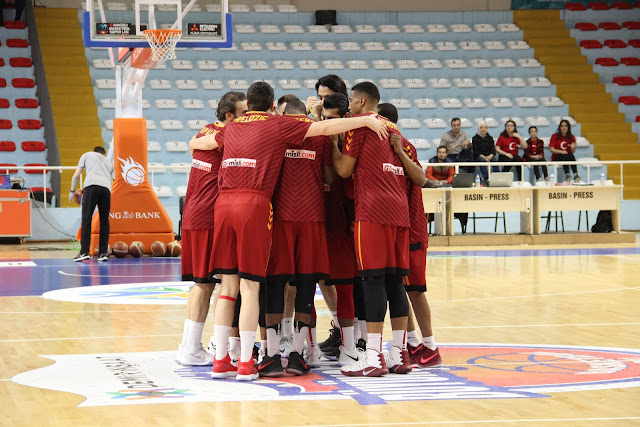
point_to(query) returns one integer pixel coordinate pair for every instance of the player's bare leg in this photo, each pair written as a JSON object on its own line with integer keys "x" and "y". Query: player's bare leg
{"x": 191, "y": 352}
{"x": 216, "y": 294}
{"x": 249, "y": 313}
{"x": 230, "y": 287}
{"x": 286, "y": 339}
{"x": 425, "y": 353}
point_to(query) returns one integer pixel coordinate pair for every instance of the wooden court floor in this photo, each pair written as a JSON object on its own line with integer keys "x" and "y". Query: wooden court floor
{"x": 536, "y": 335}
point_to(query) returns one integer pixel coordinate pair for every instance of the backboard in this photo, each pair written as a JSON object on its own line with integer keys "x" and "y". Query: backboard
{"x": 204, "y": 23}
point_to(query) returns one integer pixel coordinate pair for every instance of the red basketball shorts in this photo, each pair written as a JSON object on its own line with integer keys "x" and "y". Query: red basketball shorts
{"x": 298, "y": 249}
{"x": 196, "y": 255}
{"x": 381, "y": 249}
{"x": 416, "y": 281}
{"x": 243, "y": 224}
{"x": 342, "y": 262}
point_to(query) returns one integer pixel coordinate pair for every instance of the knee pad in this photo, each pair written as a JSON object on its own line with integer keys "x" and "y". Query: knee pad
{"x": 305, "y": 292}
{"x": 375, "y": 298}
{"x": 397, "y": 296}
{"x": 345, "y": 301}
{"x": 236, "y": 312}
{"x": 358, "y": 300}
{"x": 274, "y": 301}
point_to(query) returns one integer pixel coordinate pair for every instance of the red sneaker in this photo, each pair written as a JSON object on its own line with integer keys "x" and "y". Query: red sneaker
{"x": 398, "y": 361}
{"x": 414, "y": 354}
{"x": 371, "y": 364}
{"x": 429, "y": 358}
{"x": 223, "y": 368}
{"x": 247, "y": 371}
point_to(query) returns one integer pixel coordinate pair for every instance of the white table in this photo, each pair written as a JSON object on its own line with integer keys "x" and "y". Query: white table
{"x": 434, "y": 201}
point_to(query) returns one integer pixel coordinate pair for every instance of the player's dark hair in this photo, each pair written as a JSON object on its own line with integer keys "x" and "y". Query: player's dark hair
{"x": 287, "y": 98}
{"x": 295, "y": 107}
{"x": 389, "y": 111}
{"x": 333, "y": 83}
{"x": 100, "y": 150}
{"x": 455, "y": 119}
{"x": 559, "y": 132}
{"x": 260, "y": 96}
{"x": 337, "y": 100}
{"x": 369, "y": 90}
{"x": 227, "y": 104}
{"x": 532, "y": 127}
{"x": 504, "y": 132}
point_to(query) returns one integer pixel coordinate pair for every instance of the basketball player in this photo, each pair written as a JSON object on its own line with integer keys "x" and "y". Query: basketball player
{"x": 197, "y": 231}
{"x": 325, "y": 86}
{"x": 254, "y": 147}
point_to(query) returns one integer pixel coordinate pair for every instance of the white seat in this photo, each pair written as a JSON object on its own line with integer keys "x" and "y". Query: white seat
{"x": 382, "y": 64}
{"x": 490, "y": 121}
{"x": 518, "y": 45}
{"x": 258, "y": 65}
{"x": 116, "y": 6}
{"x": 407, "y": 64}
{"x": 300, "y": 46}
{"x": 166, "y": 104}
{"x": 592, "y": 162}
{"x": 357, "y": 81}
{"x": 539, "y": 81}
{"x": 276, "y": 46}
{"x": 494, "y": 45}
{"x": 556, "y": 120}
{"x": 183, "y": 168}
{"x": 263, "y": 8}
{"x": 207, "y": 65}
{"x": 159, "y": 84}
{"x": 106, "y": 83}
{"x": 341, "y": 29}
{"x": 545, "y": 141}
{"x": 176, "y": 146}
{"x": 108, "y": 103}
{"x": 310, "y": 83}
{"x": 181, "y": 64}
{"x": 317, "y": 29}
{"x": 529, "y": 63}
{"x": 415, "y": 83}
{"x": 446, "y": 46}
{"x": 508, "y": 28}
{"x": 213, "y": 103}
{"x": 480, "y": 63}
{"x": 582, "y": 141}
{"x": 212, "y": 7}
{"x": 431, "y": 63}
{"x": 325, "y": 46}
{"x": 151, "y": 124}
{"x": 425, "y": 103}
{"x": 162, "y": 65}
{"x": 269, "y": 29}
{"x": 238, "y": 84}
{"x": 287, "y": 8}
{"x": 537, "y": 121}
{"x": 474, "y": 103}
{"x": 400, "y": 103}
{"x": 146, "y": 104}
{"x": 358, "y": 65}
{"x": 212, "y": 84}
{"x": 365, "y": 29}
{"x": 196, "y": 124}
{"x": 398, "y": 46}
{"x": 440, "y": 83}
{"x": 283, "y": 65}
{"x": 437, "y": 28}
{"x": 390, "y": 83}
{"x": 171, "y": 125}
{"x": 349, "y": 46}
{"x": 101, "y": 63}
{"x": 435, "y": 123}
{"x": 267, "y": 81}
{"x": 501, "y": 102}
{"x": 489, "y": 82}
{"x": 527, "y": 102}
{"x": 251, "y": 46}
{"x": 450, "y": 103}
{"x": 232, "y": 65}
{"x": 464, "y": 82}
{"x": 484, "y": 28}
{"x": 233, "y": 47}
{"x": 156, "y": 167}
{"x": 293, "y": 29}
{"x": 333, "y": 65}
{"x": 421, "y": 46}
{"x": 420, "y": 143}
{"x": 375, "y": 46}
{"x": 470, "y": 46}
{"x": 455, "y": 63}
{"x": 239, "y": 8}
{"x": 436, "y": 142}
{"x": 465, "y": 123}
{"x": 517, "y": 120}
{"x": 153, "y": 146}
{"x": 413, "y": 29}
{"x": 192, "y": 104}
{"x": 244, "y": 28}
{"x": 409, "y": 123}
{"x": 163, "y": 191}
{"x": 551, "y": 101}
{"x": 504, "y": 63}
{"x": 389, "y": 29}
{"x": 460, "y": 28}
{"x": 308, "y": 65}
{"x": 186, "y": 84}
{"x": 289, "y": 84}
{"x": 514, "y": 82}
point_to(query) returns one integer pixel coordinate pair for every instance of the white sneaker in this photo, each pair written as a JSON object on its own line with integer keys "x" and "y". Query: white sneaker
{"x": 196, "y": 357}
{"x": 349, "y": 357}
{"x": 398, "y": 361}
{"x": 313, "y": 359}
{"x": 286, "y": 344}
{"x": 179, "y": 353}
{"x": 211, "y": 348}
{"x": 371, "y": 364}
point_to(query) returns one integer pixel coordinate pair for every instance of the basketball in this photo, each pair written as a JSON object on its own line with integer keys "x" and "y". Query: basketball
{"x": 158, "y": 249}
{"x": 96, "y": 251}
{"x": 136, "y": 249}
{"x": 174, "y": 248}
{"x": 77, "y": 196}
{"x": 135, "y": 176}
{"x": 120, "y": 249}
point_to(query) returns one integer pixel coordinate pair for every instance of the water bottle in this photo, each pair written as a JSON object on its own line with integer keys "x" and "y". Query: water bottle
{"x": 603, "y": 178}
{"x": 477, "y": 181}
{"x": 552, "y": 180}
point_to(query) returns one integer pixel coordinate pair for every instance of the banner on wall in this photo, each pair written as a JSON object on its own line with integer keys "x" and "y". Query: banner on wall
{"x": 548, "y": 4}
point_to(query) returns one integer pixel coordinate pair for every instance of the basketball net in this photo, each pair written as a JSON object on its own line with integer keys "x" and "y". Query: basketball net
{"x": 163, "y": 43}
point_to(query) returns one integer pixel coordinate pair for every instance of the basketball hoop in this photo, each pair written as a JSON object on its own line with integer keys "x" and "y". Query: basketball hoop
{"x": 163, "y": 43}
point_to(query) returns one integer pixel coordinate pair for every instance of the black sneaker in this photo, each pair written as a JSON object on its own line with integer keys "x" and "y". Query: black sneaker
{"x": 103, "y": 257}
{"x": 361, "y": 344}
{"x": 334, "y": 340}
{"x": 81, "y": 257}
{"x": 297, "y": 365}
{"x": 271, "y": 366}
{"x": 331, "y": 353}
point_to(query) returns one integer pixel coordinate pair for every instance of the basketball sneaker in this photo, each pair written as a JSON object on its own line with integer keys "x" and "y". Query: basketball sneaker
{"x": 224, "y": 368}
{"x": 271, "y": 366}
{"x": 247, "y": 371}
{"x": 398, "y": 361}
{"x": 286, "y": 344}
{"x": 297, "y": 364}
{"x": 81, "y": 257}
{"x": 414, "y": 353}
{"x": 349, "y": 357}
{"x": 429, "y": 358}
{"x": 371, "y": 364}
{"x": 361, "y": 344}
{"x": 333, "y": 342}
{"x": 103, "y": 258}
{"x": 313, "y": 359}
{"x": 197, "y": 356}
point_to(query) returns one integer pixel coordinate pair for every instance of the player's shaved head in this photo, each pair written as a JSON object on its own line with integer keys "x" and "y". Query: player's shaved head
{"x": 295, "y": 107}
{"x": 260, "y": 96}
{"x": 369, "y": 91}
{"x": 389, "y": 111}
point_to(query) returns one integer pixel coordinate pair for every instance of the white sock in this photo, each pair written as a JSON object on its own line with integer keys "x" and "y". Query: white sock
{"x": 234, "y": 345}
{"x": 311, "y": 339}
{"x": 194, "y": 334}
{"x": 413, "y": 338}
{"x": 429, "y": 342}
{"x": 287, "y": 326}
{"x": 347, "y": 338}
{"x": 356, "y": 329}
{"x": 334, "y": 315}
{"x": 273, "y": 341}
{"x": 247, "y": 339}
{"x": 363, "y": 330}
{"x": 299, "y": 335}
{"x": 263, "y": 346}
{"x": 221, "y": 335}
{"x": 374, "y": 342}
{"x": 185, "y": 331}
{"x": 400, "y": 339}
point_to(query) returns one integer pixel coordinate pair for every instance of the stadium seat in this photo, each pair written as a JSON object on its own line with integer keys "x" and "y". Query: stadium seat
{"x": 537, "y": 121}
{"x": 464, "y": 82}
{"x": 35, "y": 165}
{"x": 557, "y": 119}
{"x": 238, "y": 84}
{"x": 494, "y": 45}
{"x": 425, "y": 103}
{"x": 263, "y": 8}
{"x": 317, "y": 29}
{"x": 33, "y": 146}
{"x": 610, "y": 26}
{"x": 586, "y": 26}
{"x": 551, "y": 101}
{"x": 20, "y": 62}
{"x": 101, "y": 64}
{"x": 22, "y": 83}
{"x": 440, "y": 83}
{"x": 409, "y": 124}
{"x": 514, "y": 82}
{"x": 504, "y": 63}
{"x": 4, "y": 103}
{"x": 153, "y": 146}
{"x": 15, "y": 25}
{"x": 359, "y": 65}
{"x": 108, "y": 103}
{"x": 629, "y": 100}
{"x": 400, "y": 103}
{"x": 607, "y": 62}
{"x": 484, "y": 28}
{"x": 196, "y": 124}
{"x": 308, "y": 65}
{"x": 490, "y": 121}
{"x": 431, "y": 63}
{"x": 489, "y": 82}
{"x": 390, "y": 83}
{"x": 529, "y": 63}
{"x": 465, "y": 123}
{"x": 446, "y": 46}
{"x": 251, "y": 46}
{"x": 171, "y": 125}
{"x": 310, "y": 83}
{"x": 17, "y": 43}
{"x": 507, "y": 28}
{"x": 450, "y": 103}
{"x": 421, "y": 46}
{"x": 160, "y": 84}
{"x": 621, "y": 5}
{"x": 293, "y": 29}
{"x": 373, "y": 46}
{"x": 470, "y": 45}
{"x": 7, "y": 146}
{"x": 518, "y": 121}
{"x": 365, "y": 29}
{"x": 615, "y": 44}
{"x": 166, "y": 104}
{"x": 575, "y": 6}
{"x": 163, "y": 191}
{"x": 349, "y": 46}
{"x": 176, "y": 146}
{"x": 634, "y": 42}
{"x": 26, "y": 103}
{"x": 413, "y": 29}
{"x": 518, "y": 45}
{"x": 184, "y": 168}
{"x": 591, "y": 44}
{"x": 474, "y": 103}
{"x": 435, "y": 123}
{"x": 406, "y": 64}
{"x": 460, "y": 28}
{"x": 341, "y": 29}
{"x": 455, "y": 63}
{"x": 631, "y": 61}
{"x": 333, "y": 65}
{"x": 259, "y": 65}
{"x": 180, "y": 64}
{"x": 437, "y": 28}
{"x": 156, "y": 167}
{"x": 397, "y": 46}
{"x": 5, "y": 124}
{"x": 598, "y": 5}
{"x": 106, "y": 83}
{"x": 29, "y": 124}
{"x": 244, "y": 29}
{"x": 232, "y": 65}
{"x": 276, "y": 46}
{"x": 186, "y": 84}
{"x": 539, "y": 81}
{"x": 479, "y": 63}
{"x": 391, "y": 29}
{"x": 7, "y": 168}
{"x": 624, "y": 81}
{"x": 501, "y": 102}
{"x": 382, "y": 64}
{"x": 420, "y": 143}
{"x": 300, "y": 46}
{"x": 289, "y": 84}
{"x": 632, "y": 25}
{"x": 415, "y": 83}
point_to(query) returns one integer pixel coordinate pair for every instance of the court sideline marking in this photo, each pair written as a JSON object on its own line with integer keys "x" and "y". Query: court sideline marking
{"x": 538, "y": 420}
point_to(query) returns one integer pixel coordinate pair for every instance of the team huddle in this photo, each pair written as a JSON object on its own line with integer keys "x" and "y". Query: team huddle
{"x": 282, "y": 197}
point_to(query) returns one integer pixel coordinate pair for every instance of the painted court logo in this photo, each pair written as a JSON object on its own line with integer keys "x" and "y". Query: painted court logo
{"x": 132, "y": 171}
{"x": 471, "y": 371}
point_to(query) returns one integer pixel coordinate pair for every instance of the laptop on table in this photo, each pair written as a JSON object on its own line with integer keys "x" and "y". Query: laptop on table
{"x": 501, "y": 179}
{"x": 463, "y": 180}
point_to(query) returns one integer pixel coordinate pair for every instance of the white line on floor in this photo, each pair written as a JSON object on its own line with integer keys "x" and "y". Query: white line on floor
{"x": 117, "y": 275}
{"x": 493, "y": 421}
{"x": 539, "y": 295}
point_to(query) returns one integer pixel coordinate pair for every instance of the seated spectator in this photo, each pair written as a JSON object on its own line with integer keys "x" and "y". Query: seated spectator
{"x": 535, "y": 153}
{"x": 507, "y": 147}
{"x": 458, "y": 145}
{"x": 484, "y": 149}
{"x": 438, "y": 176}
{"x": 562, "y": 146}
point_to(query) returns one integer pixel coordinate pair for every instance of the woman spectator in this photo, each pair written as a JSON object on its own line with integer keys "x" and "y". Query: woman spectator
{"x": 562, "y": 146}
{"x": 484, "y": 149}
{"x": 535, "y": 153}
{"x": 507, "y": 147}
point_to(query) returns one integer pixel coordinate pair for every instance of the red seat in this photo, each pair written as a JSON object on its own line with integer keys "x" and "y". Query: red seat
{"x": 631, "y": 25}
{"x": 33, "y": 146}
{"x": 591, "y": 44}
{"x": 26, "y": 103}
{"x": 3, "y": 82}
{"x": 35, "y": 124}
{"x": 615, "y": 44}
{"x": 634, "y": 42}
{"x": 610, "y": 26}
{"x": 17, "y": 43}
{"x": 607, "y": 62}
{"x": 6, "y": 168}
{"x": 575, "y": 6}
{"x": 14, "y": 25}
{"x": 629, "y": 100}
{"x": 28, "y": 83}
{"x": 4, "y": 103}
{"x": 637, "y": 118}
{"x": 586, "y": 26}
{"x": 21, "y": 62}
{"x": 34, "y": 170}
{"x": 1, "y": 62}
{"x": 5, "y": 124}
{"x": 621, "y": 5}
{"x": 598, "y": 5}
{"x": 624, "y": 81}
{"x": 630, "y": 61}
{"x": 7, "y": 146}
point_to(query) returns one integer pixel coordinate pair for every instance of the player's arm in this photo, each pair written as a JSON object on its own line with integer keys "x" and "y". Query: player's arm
{"x": 74, "y": 181}
{"x": 343, "y": 164}
{"x": 413, "y": 171}
{"x": 336, "y": 126}
{"x": 328, "y": 174}
{"x": 207, "y": 142}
